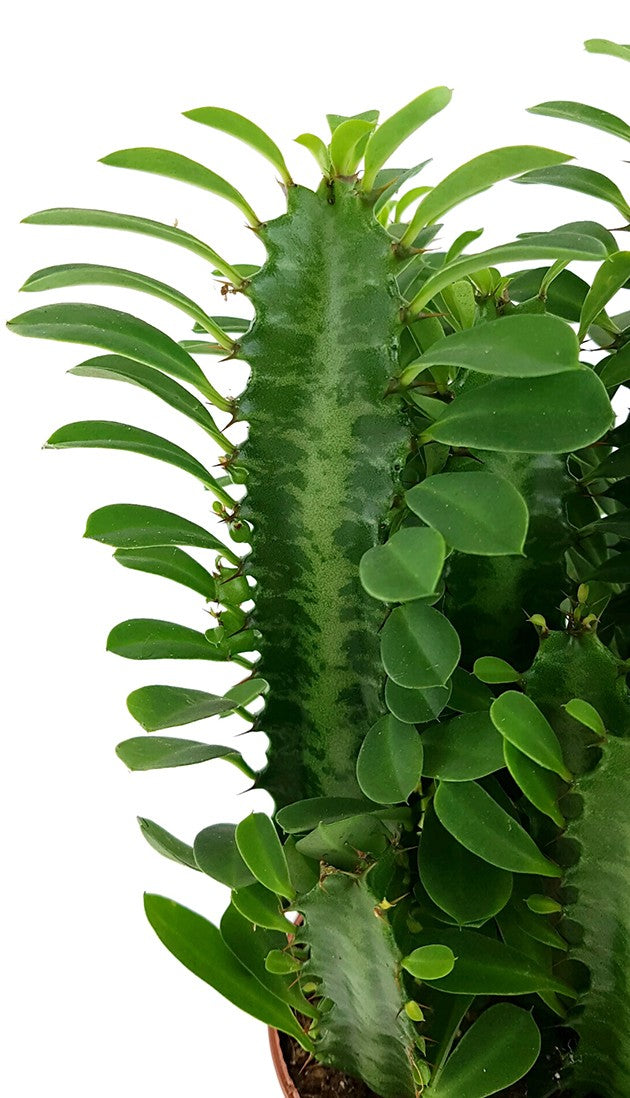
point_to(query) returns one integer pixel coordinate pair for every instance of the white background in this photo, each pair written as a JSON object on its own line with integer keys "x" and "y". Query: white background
{"x": 95, "y": 1005}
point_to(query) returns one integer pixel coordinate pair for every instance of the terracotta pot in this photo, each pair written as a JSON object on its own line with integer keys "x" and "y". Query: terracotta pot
{"x": 288, "y": 1086}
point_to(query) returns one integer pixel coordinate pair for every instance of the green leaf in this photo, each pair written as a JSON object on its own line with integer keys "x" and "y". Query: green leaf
{"x": 541, "y": 787}
{"x": 543, "y": 905}
{"x": 523, "y": 345}
{"x": 555, "y": 245}
{"x": 390, "y": 761}
{"x": 318, "y": 149}
{"x": 117, "y": 368}
{"x": 199, "y": 946}
{"x": 407, "y": 567}
{"x": 485, "y": 966}
{"x": 261, "y": 850}
{"x": 94, "y": 274}
{"x": 134, "y": 526}
{"x": 604, "y": 45}
{"x": 161, "y": 752}
{"x": 615, "y": 370}
{"x": 307, "y": 814}
{"x": 609, "y": 279}
{"x": 393, "y": 131}
{"x": 399, "y": 178}
{"x": 467, "y": 888}
{"x": 520, "y": 721}
{"x": 152, "y": 639}
{"x": 538, "y": 416}
{"x": 251, "y": 944}
{"x": 585, "y": 115}
{"x": 246, "y": 692}
{"x": 280, "y": 963}
{"x": 463, "y": 748}
{"x": 586, "y": 714}
{"x": 475, "y": 819}
{"x": 460, "y": 244}
{"x": 99, "y": 326}
{"x": 156, "y": 707}
{"x": 175, "y": 166}
{"x": 217, "y": 855}
{"x": 237, "y": 126}
{"x": 408, "y": 199}
{"x": 347, "y": 145}
{"x": 166, "y": 844}
{"x": 261, "y": 907}
{"x": 459, "y": 299}
{"x": 416, "y": 706}
{"x": 430, "y": 962}
{"x": 468, "y": 694}
{"x": 170, "y": 563}
{"x": 494, "y": 670}
{"x": 106, "y": 219}
{"x": 583, "y": 180}
{"x": 478, "y": 175}
{"x": 419, "y": 646}
{"x": 497, "y": 1050}
{"x": 476, "y": 512}
{"x": 108, "y": 435}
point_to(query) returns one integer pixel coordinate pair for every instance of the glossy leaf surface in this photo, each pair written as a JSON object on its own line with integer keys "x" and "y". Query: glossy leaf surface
{"x": 419, "y": 646}
{"x": 156, "y": 707}
{"x": 464, "y": 748}
{"x": 521, "y": 722}
{"x": 406, "y": 567}
{"x": 390, "y": 761}
{"x": 477, "y": 512}
{"x": 497, "y": 1050}
{"x": 261, "y": 850}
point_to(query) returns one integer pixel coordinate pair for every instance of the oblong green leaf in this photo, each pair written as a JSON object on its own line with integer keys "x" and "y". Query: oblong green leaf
{"x": 419, "y": 646}
{"x": 429, "y": 962}
{"x": 476, "y": 176}
{"x": 135, "y": 526}
{"x": 161, "y": 752}
{"x": 261, "y": 907}
{"x": 95, "y": 274}
{"x": 545, "y": 415}
{"x": 475, "y": 512}
{"x": 416, "y": 706}
{"x": 117, "y": 368}
{"x": 497, "y": 1050}
{"x": 152, "y": 639}
{"x": 156, "y": 707}
{"x": 475, "y": 819}
{"x": 485, "y": 966}
{"x": 171, "y": 563}
{"x": 492, "y": 669}
{"x": 307, "y": 814}
{"x": 175, "y": 166}
{"x": 584, "y": 180}
{"x": 318, "y": 149}
{"x": 109, "y": 435}
{"x": 604, "y": 45}
{"x": 555, "y": 245}
{"x": 585, "y": 115}
{"x": 563, "y": 297}
{"x": 463, "y": 748}
{"x": 107, "y": 219}
{"x": 217, "y": 855}
{"x": 520, "y": 721}
{"x": 166, "y": 844}
{"x": 586, "y": 714}
{"x": 467, "y": 888}
{"x": 237, "y": 126}
{"x": 406, "y": 567}
{"x": 261, "y": 850}
{"x": 389, "y": 765}
{"x": 523, "y": 345}
{"x": 614, "y": 570}
{"x": 347, "y": 145}
{"x": 199, "y": 946}
{"x": 393, "y": 131}
{"x": 541, "y": 787}
{"x": 100, "y": 326}
{"x": 611, "y": 277}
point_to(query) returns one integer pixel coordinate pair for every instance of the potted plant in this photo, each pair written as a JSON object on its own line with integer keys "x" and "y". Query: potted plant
{"x": 435, "y": 507}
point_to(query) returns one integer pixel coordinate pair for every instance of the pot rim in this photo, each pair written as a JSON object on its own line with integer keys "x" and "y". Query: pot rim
{"x": 289, "y": 1088}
